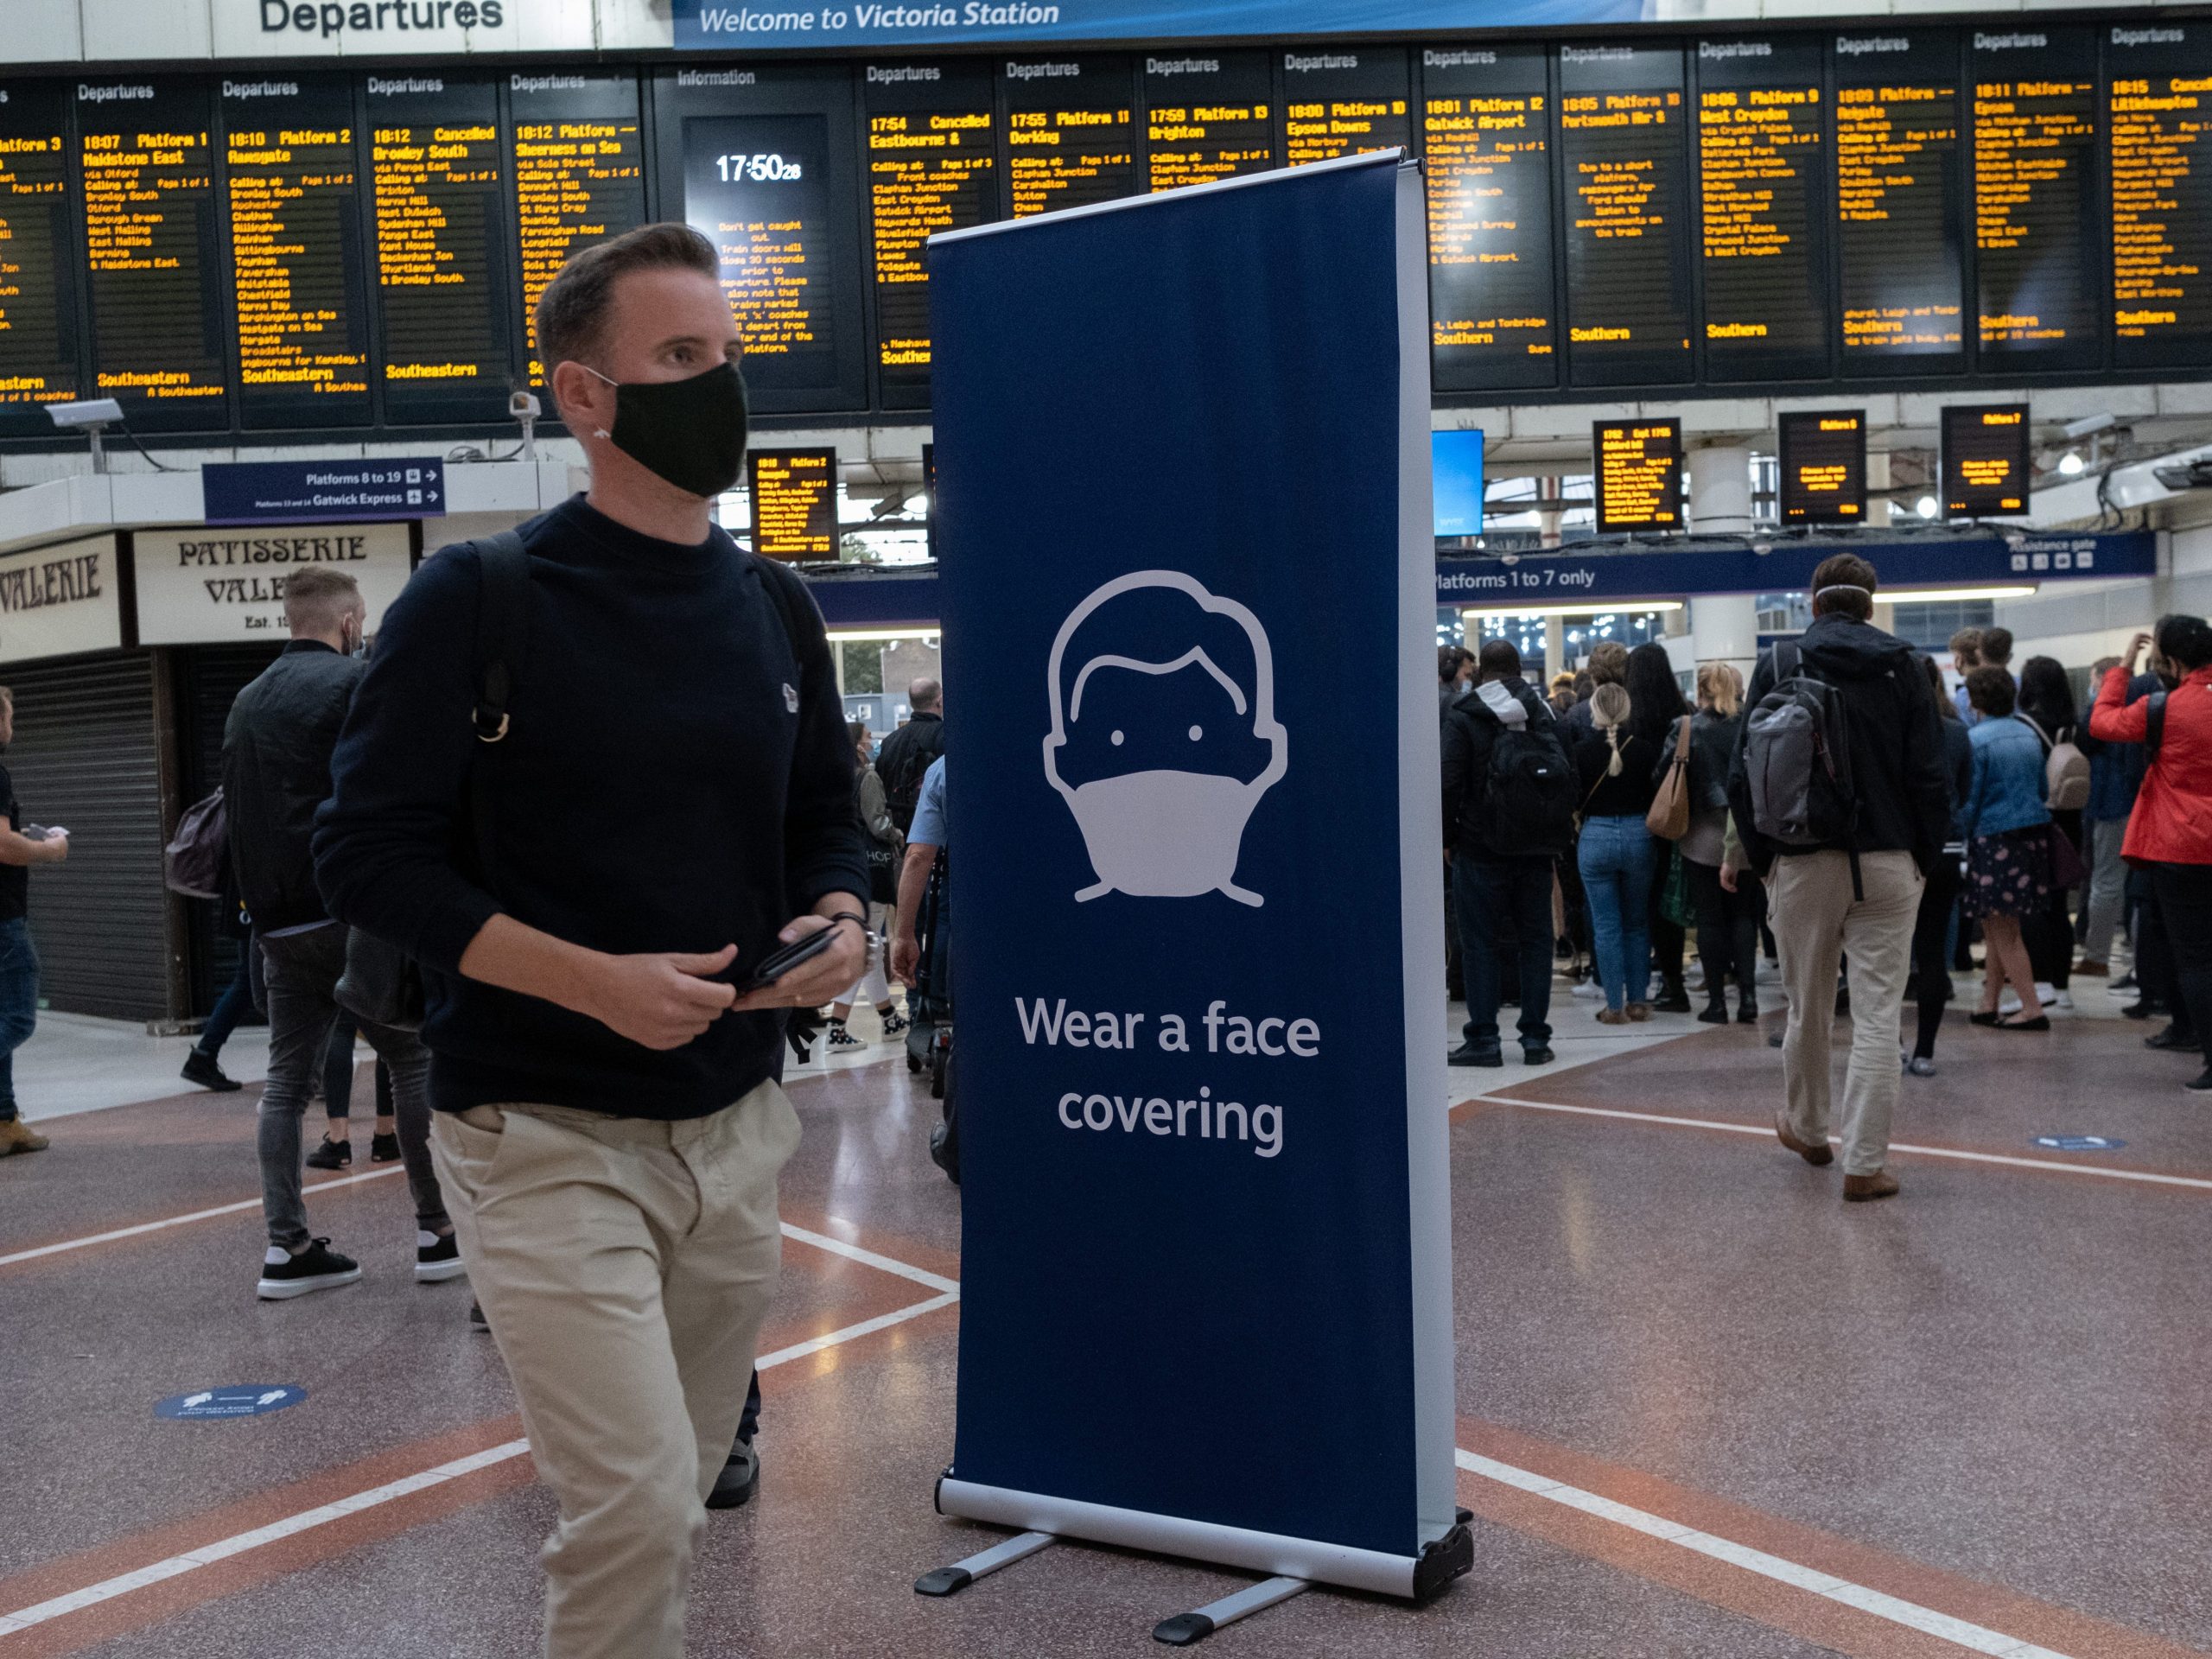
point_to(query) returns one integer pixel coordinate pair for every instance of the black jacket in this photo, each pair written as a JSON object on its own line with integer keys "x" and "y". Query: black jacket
{"x": 1470, "y": 729}
{"x": 1896, "y": 753}
{"x": 278, "y": 743}
{"x": 1713, "y": 752}
{"x": 905, "y": 756}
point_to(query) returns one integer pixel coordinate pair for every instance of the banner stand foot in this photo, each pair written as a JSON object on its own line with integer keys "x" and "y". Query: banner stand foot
{"x": 1184, "y": 1628}
{"x": 945, "y": 1581}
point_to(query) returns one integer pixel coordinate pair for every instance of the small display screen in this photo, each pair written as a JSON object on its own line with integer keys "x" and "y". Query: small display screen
{"x": 1986, "y": 461}
{"x": 794, "y": 503}
{"x": 1456, "y": 466}
{"x": 1824, "y": 467}
{"x": 1639, "y": 472}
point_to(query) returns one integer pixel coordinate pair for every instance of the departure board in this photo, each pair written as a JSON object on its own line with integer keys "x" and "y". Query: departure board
{"x": 1985, "y": 460}
{"x": 1486, "y": 148}
{"x": 932, "y": 166}
{"x": 1823, "y": 466}
{"x": 1344, "y": 102}
{"x": 1207, "y": 118}
{"x": 436, "y": 164}
{"x": 1638, "y": 466}
{"x": 794, "y": 503}
{"x": 2158, "y": 103}
{"x": 147, "y": 168}
{"x": 2036, "y": 244}
{"x": 1900, "y": 202}
{"x": 765, "y": 163}
{"x": 38, "y": 290}
{"x": 292, "y": 201}
{"x": 1623, "y": 156}
{"x": 1763, "y": 174}
{"x": 1070, "y": 132}
{"x": 578, "y": 160}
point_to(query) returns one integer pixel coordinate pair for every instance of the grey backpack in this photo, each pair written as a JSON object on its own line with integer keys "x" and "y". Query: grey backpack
{"x": 1797, "y": 760}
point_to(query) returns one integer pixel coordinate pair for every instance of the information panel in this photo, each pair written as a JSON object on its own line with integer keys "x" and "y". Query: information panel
{"x": 579, "y": 164}
{"x": 764, "y": 163}
{"x": 292, "y": 201}
{"x": 2037, "y": 242}
{"x": 1070, "y": 132}
{"x": 1900, "y": 202}
{"x": 2159, "y": 104}
{"x": 38, "y": 290}
{"x": 1622, "y": 149}
{"x": 1639, "y": 474}
{"x": 931, "y": 167}
{"x": 1823, "y": 466}
{"x": 1340, "y": 103}
{"x": 1486, "y": 141}
{"x": 1207, "y": 118}
{"x": 435, "y": 164}
{"x": 794, "y": 503}
{"x": 147, "y": 166}
{"x": 1763, "y": 173}
{"x": 1985, "y": 460}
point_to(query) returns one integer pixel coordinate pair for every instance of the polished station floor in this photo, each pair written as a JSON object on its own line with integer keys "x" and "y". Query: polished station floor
{"x": 1705, "y": 1409}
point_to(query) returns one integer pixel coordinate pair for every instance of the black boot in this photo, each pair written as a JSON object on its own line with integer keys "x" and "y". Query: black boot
{"x": 1716, "y": 1011}
{"x": 1673, "y": 999}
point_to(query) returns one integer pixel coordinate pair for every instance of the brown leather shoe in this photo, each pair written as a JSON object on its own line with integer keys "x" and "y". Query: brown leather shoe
{"x": 1639, "y": 1012}
{"x": 1817, "y": 1156}
{"x": 15, "y": 1136}
{"x": 1612, "y": 1016}
{"x": 1861, "y": 1189}
{"x": 2088, "y": 970}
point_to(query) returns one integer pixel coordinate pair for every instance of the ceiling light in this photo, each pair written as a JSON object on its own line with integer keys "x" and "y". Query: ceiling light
{"x": 2071, "y": 462}
{"x": 848, "y": 636}
{"x": 1943, "y": 595}
{"x": 1926, "y": 506}
{"x": 1609, "y": 611}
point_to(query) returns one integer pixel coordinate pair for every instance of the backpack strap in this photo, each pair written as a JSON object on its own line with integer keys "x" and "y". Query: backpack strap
{"x": 2154, "y": 724}
{"x": 781, "y": 585}
{"x": 1795, "y": 658}
{"x": 502, "y": 650}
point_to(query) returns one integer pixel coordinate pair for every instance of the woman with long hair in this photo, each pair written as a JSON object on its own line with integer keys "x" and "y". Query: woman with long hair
{"x": 876, "y": 819}
{"x": 2008, "y": 846}
{"x": 1931, "y": 927}
{"x": 2045, "y": 701}
{"x": 1615, "y": 767}
{"x": 1656, "y": 709}
{"x": 1727, "y": 918}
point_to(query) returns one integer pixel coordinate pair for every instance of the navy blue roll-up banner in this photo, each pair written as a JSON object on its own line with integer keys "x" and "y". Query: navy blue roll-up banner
{"x": 1182, "y": 446}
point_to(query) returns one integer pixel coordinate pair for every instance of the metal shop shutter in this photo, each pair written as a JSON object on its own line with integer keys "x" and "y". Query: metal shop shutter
{"x": 209, "y": 679}
{"x": 85, "y": 758}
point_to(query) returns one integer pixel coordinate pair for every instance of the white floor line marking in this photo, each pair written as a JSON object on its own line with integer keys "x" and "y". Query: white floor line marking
{"x": 222, "y": 1549}
{"x": 869, "y": 1258}
{"x": 1975, "y": 1638}
{"x": 2147, "y": 1177}
{"x": 109, "y": 1237}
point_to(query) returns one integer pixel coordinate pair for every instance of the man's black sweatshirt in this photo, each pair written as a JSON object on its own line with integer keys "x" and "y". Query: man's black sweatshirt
{"x": 675, "y": 776}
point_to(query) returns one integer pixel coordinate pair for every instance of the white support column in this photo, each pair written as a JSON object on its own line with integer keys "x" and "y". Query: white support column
{"x": 1720, "y": 491}
{"x": 1877, "y": 479}
{"x": 1554, "y": 646}
{"x": 1725, "y": 629}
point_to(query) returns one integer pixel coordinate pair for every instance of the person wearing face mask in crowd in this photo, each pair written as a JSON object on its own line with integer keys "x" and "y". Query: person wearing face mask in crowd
{"x": 670, "y": 801}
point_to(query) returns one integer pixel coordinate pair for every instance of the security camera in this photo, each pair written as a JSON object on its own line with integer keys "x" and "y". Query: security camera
{"x": 2088, "y": 424}
{"x": 78, "y": 417}
{"x": 523, "y": 406}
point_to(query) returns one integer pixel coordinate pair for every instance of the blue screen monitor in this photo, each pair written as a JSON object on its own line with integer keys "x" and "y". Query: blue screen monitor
{"x": 1456, "y": 459}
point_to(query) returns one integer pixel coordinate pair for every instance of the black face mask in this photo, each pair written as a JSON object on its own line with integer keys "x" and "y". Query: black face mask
{"x": 689, "y": 432}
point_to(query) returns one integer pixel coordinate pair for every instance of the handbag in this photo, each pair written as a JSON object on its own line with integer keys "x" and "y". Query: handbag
{"x": 2066, "y": 869}
{"x": 1668, "y": 817}
{"x": 1674, "y": 901}
{"x": 883, "y": 861}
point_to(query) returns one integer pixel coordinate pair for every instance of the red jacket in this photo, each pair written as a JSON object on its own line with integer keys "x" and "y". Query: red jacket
{"x": 2172, "y": 820}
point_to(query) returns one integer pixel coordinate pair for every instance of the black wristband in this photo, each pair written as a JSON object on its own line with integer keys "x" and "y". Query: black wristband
{"x": 846, "y": 916}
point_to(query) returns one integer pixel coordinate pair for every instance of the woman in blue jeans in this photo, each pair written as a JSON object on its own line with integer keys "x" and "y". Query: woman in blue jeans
{"x": 1616, "y": 767}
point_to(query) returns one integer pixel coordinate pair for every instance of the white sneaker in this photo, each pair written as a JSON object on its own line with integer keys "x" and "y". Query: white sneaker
{"x": 2009, "y": 1002}
{"x": 1591, "y": 990}
{"x": 1766, "y": 973}
{"x": 2055, "y": 999}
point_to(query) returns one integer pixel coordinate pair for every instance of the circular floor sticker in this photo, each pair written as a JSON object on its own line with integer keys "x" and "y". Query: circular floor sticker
{"x": 237, "y": 1400}
{"x": 2080, "y": 1142}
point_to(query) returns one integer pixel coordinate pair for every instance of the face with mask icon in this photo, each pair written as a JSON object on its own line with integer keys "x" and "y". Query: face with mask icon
{"x": 1163, "y": 734}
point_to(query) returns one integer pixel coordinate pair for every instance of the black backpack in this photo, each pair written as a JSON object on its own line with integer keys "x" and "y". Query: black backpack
{"x": 1797, "y": 760}
{"x": 1528, "y": 792}
{"x": 905, "y": 763}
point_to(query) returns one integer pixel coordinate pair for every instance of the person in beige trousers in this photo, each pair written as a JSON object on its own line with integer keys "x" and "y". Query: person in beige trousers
{"x": 591, "y": 853}
{"x": 1857, "y": 896}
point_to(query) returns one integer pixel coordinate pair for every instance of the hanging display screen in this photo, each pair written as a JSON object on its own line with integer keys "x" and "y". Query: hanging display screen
{"x": 1638, "y": 466}
{"x": 2035, "y": 198}
{"x": 794, "y": 503}
{"x": 2158, "y": 113}
{"x": 1343, "y": 102}
{"x": 578, "y": 161}
{"x": 1986, "y": 464}
{"x": 1070, "y": 133}
{"x": 1823, "y": 465}
{"x": 1207, "y": 118}
{"x": 38, "y": 295}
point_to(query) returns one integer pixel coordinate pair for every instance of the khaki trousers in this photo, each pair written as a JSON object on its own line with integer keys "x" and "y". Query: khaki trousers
{"x": 625, "y": 1266}
{"x": 1817, "y": 921}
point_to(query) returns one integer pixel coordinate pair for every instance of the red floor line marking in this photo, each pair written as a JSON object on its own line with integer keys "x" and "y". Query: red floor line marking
{"x": 321, "y": 1515}
{"x": 2052, "y": 1165}
{"x": 62, "y": 1246}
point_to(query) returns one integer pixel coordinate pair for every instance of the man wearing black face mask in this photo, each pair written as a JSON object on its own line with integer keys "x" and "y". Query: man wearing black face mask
{"x": 608, "y": 1128}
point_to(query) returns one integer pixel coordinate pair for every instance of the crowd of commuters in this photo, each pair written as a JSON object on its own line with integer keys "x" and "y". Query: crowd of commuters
{"x": 1925, "y": 819}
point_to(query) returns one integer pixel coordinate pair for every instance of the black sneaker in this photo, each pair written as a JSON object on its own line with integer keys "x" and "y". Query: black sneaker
{"x": 1714, "y": 1013}
{"x": 1536, "y": 1054}
{"x": 738, "y": 1480}
{"x": 200, "y": 1068}
{"x": 894, "y": 1025}
{"x": 437, "y": 1259}
{"x": 383, "y": 1148}
{"x": 2200, "y": 1085}
{"x": 316, "y": 1268}
{"x": 478, "y": 1324}
{"x": 1673, "y": 999}
{"x": 2174, "y": 1040}
{"x": 331, "y": 1155}
{"x": 1747, "y": 1013}
{"x": 2144, "y": 1008}
{"x": 1469, "y": 1054}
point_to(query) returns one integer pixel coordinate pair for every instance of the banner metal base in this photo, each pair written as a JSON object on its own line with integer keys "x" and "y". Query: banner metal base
{"x": 947, "y": 1579}
{"x": 1185, "y": 1628}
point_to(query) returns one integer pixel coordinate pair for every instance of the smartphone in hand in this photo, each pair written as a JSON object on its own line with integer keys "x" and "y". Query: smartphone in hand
{"x": 778, "y": 962}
